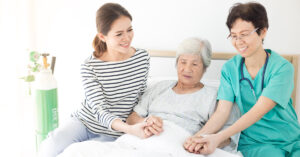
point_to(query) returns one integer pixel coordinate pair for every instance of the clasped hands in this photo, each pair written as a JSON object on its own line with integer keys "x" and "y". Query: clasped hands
{"x": 154, "y": 126}
{"x": 204, "y": 144}
{"x": 151, "y": 125}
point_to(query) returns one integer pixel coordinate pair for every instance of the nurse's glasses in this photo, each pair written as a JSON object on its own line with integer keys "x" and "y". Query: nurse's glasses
{"x": 241, "y": 37}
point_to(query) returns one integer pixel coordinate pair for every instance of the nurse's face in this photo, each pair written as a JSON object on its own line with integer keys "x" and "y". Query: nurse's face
{"x": 189, "y": 69}
{"x": 245, "y": 38}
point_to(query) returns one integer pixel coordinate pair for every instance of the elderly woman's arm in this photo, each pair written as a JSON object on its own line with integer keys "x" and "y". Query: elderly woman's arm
{"x": 134, "y": 118}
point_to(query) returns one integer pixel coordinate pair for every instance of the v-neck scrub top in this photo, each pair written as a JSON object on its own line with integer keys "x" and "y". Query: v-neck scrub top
{"x": 278, "y": 127}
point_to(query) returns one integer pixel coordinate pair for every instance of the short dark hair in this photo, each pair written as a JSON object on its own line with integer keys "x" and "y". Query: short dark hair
{"x": 252, "y": 12}
{"x": 105, "y": 16}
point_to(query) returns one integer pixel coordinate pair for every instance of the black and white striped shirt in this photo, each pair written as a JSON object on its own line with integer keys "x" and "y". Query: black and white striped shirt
{"x": 111, "y": 89}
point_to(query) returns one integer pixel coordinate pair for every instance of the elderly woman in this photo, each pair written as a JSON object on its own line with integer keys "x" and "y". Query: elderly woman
{"x": 171, "y": 111}
{"x": 186, "y": 102}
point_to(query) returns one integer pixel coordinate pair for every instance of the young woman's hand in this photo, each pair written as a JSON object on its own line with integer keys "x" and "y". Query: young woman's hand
{"x": 154, "y": 125}
{"x": 138, "y": 130}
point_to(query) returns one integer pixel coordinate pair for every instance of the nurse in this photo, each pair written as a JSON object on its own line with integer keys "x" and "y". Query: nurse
{"x": 260, "y": 81}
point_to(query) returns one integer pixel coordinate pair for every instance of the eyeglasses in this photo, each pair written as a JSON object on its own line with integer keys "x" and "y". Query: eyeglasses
{"x": 242, "y": 37}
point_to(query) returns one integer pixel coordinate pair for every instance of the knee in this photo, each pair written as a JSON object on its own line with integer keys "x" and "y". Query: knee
{"x": 55, "y": 143}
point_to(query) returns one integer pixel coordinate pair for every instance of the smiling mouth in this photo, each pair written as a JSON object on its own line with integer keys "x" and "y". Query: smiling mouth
{"x": 125, "y": 45}
{"x": 243, "y": 49}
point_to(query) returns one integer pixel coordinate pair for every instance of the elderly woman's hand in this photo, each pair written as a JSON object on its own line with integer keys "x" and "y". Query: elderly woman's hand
{"x": 138, "y": 130}
{"x": 154, "y": 125}
{"x": 191, "y": 146}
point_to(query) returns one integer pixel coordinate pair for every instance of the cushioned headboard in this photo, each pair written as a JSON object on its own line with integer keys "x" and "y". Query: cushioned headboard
{"x": 225, "y": 56}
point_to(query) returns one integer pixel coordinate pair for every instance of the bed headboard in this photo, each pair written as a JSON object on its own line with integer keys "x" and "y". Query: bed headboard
{"x": 225, "y": 56}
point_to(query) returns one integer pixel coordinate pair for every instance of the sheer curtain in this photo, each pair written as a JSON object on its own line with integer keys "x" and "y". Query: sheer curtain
{"x": 16, "y": 38}
{"x": 46, "y": 26}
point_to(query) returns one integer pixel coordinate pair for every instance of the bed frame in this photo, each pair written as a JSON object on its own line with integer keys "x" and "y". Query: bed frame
{"x": 225, "y": 56}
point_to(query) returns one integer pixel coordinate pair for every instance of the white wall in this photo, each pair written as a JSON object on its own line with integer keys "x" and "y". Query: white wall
{"x": 66, "y": 29}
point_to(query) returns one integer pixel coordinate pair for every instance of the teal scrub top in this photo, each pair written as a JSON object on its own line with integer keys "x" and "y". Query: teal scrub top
{"x": 279, "y": 126}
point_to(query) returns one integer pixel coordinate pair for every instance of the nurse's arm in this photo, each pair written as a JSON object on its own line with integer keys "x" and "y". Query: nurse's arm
{"x": 218, "y": 119}
{"x": 263, "y": 106}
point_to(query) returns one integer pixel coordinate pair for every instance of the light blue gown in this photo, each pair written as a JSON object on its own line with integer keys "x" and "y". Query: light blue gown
{"x": 278, "y": 131}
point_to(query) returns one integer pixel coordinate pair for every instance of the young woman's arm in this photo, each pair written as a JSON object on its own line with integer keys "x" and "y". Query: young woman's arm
{"x": 94, "y": 95}
{"x": 263, "y": 106}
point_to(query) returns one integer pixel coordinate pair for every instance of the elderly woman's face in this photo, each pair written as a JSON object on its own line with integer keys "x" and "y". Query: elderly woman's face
{"x": 189, "y": 69}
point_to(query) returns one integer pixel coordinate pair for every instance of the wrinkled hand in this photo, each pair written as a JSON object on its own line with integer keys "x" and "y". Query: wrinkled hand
{"x": 210, "y": 143}
{"x": 191, "y": 146}
{"x": 154, "y": 126}
{"x": 138, "y": 130}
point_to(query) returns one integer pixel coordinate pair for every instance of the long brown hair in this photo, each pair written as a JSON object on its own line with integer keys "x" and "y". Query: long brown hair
{"x": 105, "y": 16}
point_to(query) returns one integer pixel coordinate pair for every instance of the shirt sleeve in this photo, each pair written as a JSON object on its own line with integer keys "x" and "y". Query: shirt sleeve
{"x": 144, "y": 87}
{"x": 212, "y": 103}
{"x": 95, "y": 97}
{"x": 280, "y": 86}
{"x": 142, "y": 108}
{"x": 225, "y": 91}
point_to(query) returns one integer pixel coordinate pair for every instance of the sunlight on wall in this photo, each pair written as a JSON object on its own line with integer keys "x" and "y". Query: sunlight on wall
{"x": 15, "y": 39}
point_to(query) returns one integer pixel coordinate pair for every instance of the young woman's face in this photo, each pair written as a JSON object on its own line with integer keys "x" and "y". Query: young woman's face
{"x": 120, "y": 35}
{"x": 189, "y": 69}
{"x": 245, "y": 38}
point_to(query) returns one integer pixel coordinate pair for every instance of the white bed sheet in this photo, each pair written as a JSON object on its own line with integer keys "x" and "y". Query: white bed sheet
{"x": 167, "y": 144}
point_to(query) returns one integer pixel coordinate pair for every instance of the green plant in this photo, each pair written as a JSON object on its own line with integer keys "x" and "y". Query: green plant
{"x": 33, "y": 67}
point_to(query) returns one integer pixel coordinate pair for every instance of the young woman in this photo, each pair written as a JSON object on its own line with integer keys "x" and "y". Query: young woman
{"x": 260, "y": 81}
{"x": 114, "y": 77}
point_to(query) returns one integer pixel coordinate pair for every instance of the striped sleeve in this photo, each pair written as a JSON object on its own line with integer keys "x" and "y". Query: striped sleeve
{"x": 95, "y": 97}
{"x": 144, "y": 87}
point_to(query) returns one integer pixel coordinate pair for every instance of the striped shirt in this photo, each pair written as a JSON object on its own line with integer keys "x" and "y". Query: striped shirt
{"x": 111, "y": 89}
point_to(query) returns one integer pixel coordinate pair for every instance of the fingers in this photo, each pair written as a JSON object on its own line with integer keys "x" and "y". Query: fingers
{"x": 148, "y": 132}
{"x": 153, "y": 130}
{"x": 187, "y": 143}
{"x": 155, "y": 120}
{"x": 204, "y": 150}
{"x": 191, "y": 147}
{"x": 199, "y": 139}
{"x": 154, "y": 125}
{"x": 198, "y": 147}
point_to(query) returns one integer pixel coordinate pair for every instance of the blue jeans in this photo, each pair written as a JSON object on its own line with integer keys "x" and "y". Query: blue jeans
{"x": 71, "y": 132}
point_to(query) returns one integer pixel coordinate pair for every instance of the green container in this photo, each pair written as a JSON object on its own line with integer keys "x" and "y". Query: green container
{"x": 47, "y": 113}
{"x": 46, "y": 105}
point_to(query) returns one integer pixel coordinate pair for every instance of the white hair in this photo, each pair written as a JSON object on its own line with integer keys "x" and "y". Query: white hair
{"x": 195, "y": 46}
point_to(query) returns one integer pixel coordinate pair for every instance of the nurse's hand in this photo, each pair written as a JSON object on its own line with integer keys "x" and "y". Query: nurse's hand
{"x": 191, "y": 146}
{"x": 210, "y": 143}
